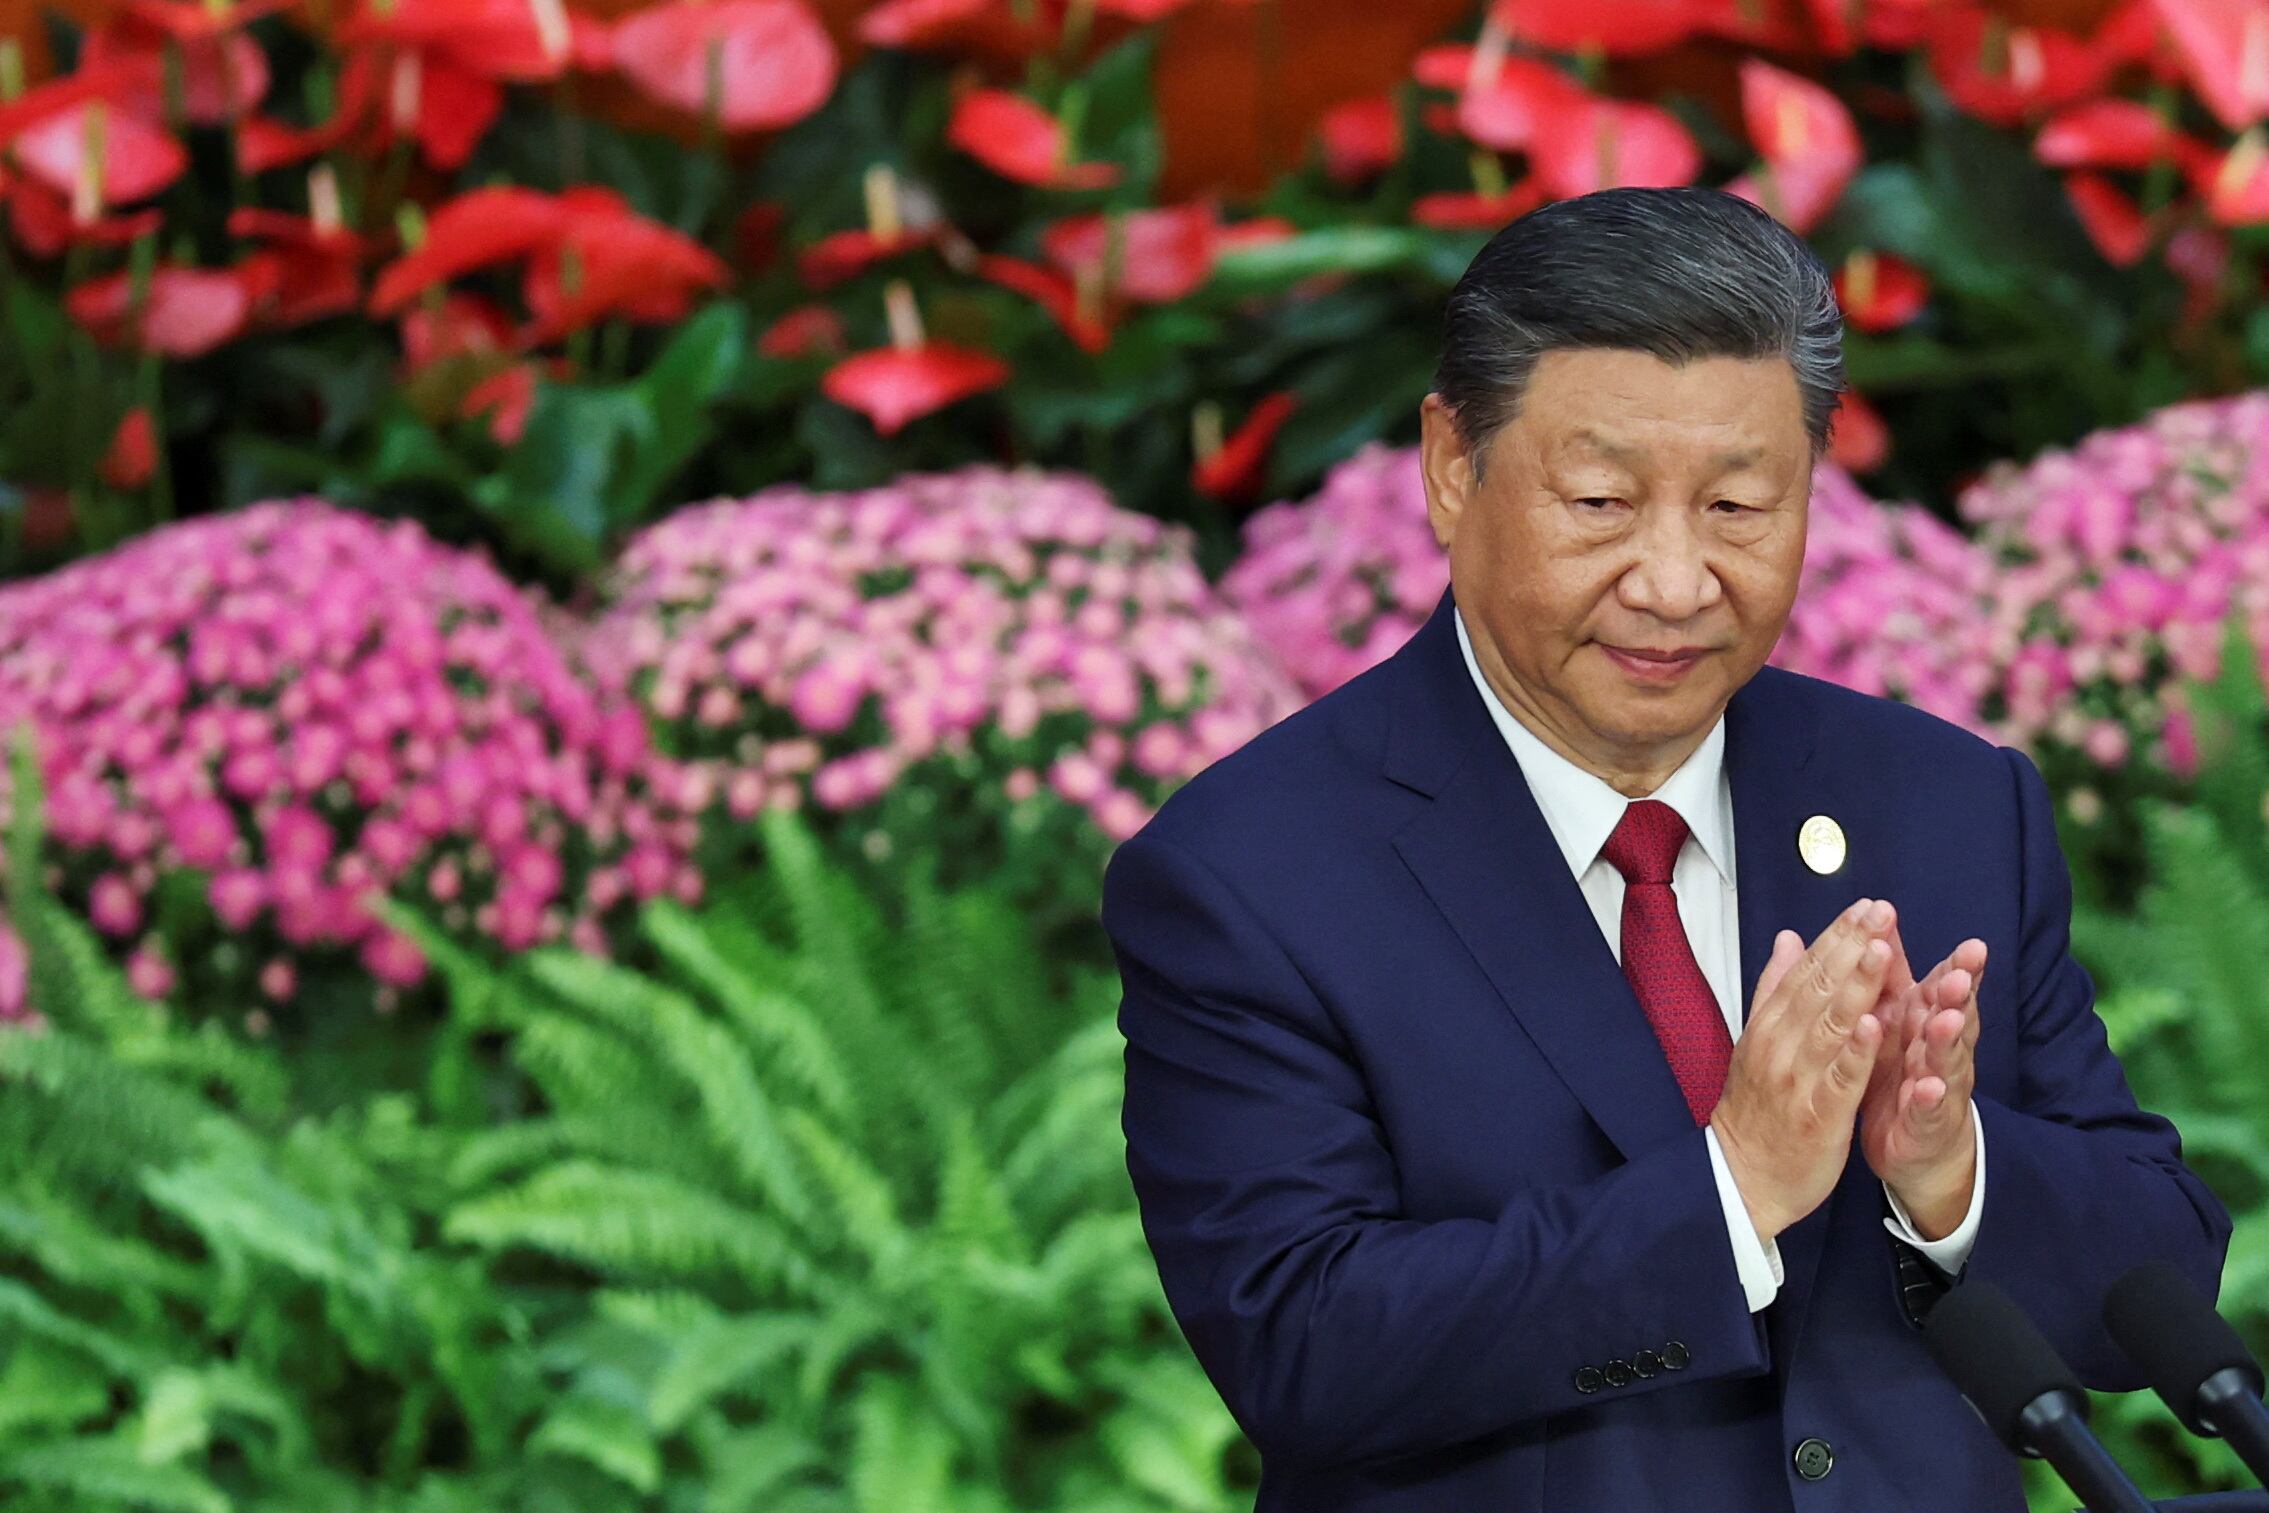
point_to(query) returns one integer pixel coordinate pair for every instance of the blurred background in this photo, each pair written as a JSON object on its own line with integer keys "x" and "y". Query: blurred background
{"x": 588, "y": 589}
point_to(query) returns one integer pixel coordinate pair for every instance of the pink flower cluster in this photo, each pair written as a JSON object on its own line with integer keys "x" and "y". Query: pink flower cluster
{"x": 1014, "y": 625}
{"x": 1891, "y": 603}
{"x": 1336, "y": 583}
{"x": 309, "y": 707}
{"x": 2117, "y": 564}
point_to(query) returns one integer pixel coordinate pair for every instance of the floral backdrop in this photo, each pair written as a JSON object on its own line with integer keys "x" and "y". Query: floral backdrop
{"x": 587, "y": 591}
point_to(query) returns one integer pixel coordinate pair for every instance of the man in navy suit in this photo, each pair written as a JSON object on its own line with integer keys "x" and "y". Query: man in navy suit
{"x": 1530, "y": 1100}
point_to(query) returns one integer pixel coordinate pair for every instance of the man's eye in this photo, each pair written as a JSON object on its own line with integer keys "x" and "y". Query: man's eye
{"x": 1599, "y": 500}
{"x": 1734, "y": 505}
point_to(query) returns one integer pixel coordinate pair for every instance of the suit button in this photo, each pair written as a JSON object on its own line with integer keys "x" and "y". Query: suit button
{"x": 1588, "y": 1379}
{"x": 1814, "y": 1459}
{"x": 1674, "y": 1356}
{"x": 1619, "y": 1374}
{"x": 1646, "y": 1363}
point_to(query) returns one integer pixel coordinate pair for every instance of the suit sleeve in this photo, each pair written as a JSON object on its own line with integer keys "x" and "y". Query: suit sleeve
{"x": 1337, "y": 1329}
{"x": 2085, "y": 1183}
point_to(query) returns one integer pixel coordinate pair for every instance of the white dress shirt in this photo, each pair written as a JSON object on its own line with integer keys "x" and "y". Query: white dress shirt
{"x": 1582, "y": 811}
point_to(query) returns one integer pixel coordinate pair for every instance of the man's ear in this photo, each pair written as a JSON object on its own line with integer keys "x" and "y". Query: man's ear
{"x": 1447, "y": 471}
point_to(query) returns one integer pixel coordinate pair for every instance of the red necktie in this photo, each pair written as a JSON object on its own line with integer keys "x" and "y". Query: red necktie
{"x": 1659, "y": 960}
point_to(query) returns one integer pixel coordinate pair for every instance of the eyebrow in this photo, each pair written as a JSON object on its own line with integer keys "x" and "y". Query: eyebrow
{"x": 1737, "y": 458}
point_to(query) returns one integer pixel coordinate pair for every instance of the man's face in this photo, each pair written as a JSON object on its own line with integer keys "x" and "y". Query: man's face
{"x": 1631, "y": 509}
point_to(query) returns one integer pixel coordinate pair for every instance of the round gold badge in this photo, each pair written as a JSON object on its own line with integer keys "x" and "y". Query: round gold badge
{"x": 1820, "y": 841}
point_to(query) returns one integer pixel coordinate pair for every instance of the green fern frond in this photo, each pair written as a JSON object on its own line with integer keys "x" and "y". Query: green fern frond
{"x": 792, "y": 1037}
{"x": 638, "y": 1224}
{"x": 859, "y": 1195}
{"x": 603, "y": 1434}
{"x": 749, "y": 1470}
{"x": 109, "y": 1471}
{"x": 729, "y": 1100}
{"x": 721, "y": 1360}
{"x": 900, "y": 1457}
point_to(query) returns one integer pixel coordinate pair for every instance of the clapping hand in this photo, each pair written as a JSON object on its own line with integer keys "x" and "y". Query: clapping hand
{"x": 1915, "y": 1116}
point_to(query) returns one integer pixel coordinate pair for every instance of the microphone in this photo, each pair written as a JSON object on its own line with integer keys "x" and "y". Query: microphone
{"x": 2193, "y": 1359}
{"x": 2025, "y": 1392}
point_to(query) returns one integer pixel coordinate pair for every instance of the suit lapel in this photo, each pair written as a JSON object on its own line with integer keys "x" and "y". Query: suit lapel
{"x": 1486, "y": 858}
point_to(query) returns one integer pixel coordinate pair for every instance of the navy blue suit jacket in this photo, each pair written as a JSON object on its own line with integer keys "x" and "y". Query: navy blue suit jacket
{"x": 1410, "y": 1159}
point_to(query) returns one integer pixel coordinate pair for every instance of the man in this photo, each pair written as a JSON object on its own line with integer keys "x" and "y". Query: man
{"x": 1530, "y": 1099}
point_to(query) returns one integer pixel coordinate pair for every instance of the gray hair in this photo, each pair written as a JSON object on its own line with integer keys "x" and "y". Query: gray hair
{"x": 1681, "y": 273}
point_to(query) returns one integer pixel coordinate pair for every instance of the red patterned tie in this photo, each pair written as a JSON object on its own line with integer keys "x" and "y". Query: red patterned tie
{"x": 1659, "y": 960}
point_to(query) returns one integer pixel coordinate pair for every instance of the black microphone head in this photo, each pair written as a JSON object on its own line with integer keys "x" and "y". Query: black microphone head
{"x": 2002, "y": 1363}
{"x": 2174, "y": 1336}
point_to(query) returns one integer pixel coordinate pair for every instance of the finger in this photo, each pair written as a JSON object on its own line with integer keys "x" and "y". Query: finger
{"x": 1788, "y": 950}
{"x": 1901, "y": 976}
{"x": 1848, "y": 1074}
{"x": 1858, "y": 992}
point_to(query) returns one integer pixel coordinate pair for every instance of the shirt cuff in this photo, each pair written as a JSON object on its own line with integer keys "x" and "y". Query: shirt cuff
{"x": 1952, "y": 1253}
{"x": 1756, "y": 1261}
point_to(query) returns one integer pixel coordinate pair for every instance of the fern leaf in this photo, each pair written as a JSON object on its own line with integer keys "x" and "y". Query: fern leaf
{"x": 637, "y": 1224}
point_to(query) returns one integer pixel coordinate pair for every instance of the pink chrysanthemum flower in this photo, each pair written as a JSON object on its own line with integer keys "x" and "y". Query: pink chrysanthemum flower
{"x": 2117, "y": 564}
{"x": 926, "y": 656}
{"x": 309, "y": 707}
{"x": 1337, "y": 583}
{"x": 1892, "y": 602}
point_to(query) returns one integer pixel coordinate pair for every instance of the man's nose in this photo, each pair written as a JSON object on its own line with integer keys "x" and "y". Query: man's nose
{"x": 1669, "y": 575}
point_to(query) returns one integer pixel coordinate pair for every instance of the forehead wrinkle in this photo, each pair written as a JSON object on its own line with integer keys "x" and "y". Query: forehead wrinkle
{"x": 1724, "y": 460}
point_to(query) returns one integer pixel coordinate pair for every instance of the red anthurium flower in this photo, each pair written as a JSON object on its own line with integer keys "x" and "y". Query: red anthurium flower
{"x": 1477, "y": 212}
{"x": 623, "y": 265}
{"x": 461, "y": 326}
{"x": 138, "y": 160}
{"x": 2106, "y": 134}
{"x": 2238, "y": 194}
{"x": 1835, "y": 24}
{"x": 525, "y": 41}
{"x": 2224, "y": 47}
{"x": 1880, "y": 292}
{"x": 2112, "y": 220}
{"x": 1361, "y": 138}
{"x": 1053, "y": 292}
{"x": 1608, "y": 144}
{"x": 2131, "y": 35}
{"x": 1507, "y": 106}
{"x": 56, "y": 96}
{"x": 2005, "y": 74}
{"x": 224, "y": 75}
{"x": 132, "y": 456}
{"x": 189, "y": 311}
{"x": 1234, "y": 471}
{"x": 1858, "y": 440}
{"x": 1782, "y": 26}
{"x": 845, "y": 254}
{"x": 42, "y": 221}
{"x": 1445, "y": 65}
{"x": 894, "y": 385}
{"x": 1018, "y": 140}
{"x": 478, "y": 229}
{"x": 1164, "y": 255}
{"x": 1614, "y": 27}
{"x": 805, "y": 331}
{"x": 1807, "y": 139}
{"x": 311, "y": 268}
{"x": 449, "y": 107}
{"x": 507, "y": 395}
{"x": 775, "y": 61}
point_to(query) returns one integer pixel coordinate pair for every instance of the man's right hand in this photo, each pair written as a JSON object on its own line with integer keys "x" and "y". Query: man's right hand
{"x": 1802, "y": 1064}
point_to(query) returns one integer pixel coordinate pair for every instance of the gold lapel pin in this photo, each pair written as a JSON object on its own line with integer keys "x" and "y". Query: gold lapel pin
{"x": 1820, "y": 841}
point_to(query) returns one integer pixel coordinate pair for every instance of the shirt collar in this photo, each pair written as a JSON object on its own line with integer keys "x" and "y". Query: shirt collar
{"x": 1582, "y": 810}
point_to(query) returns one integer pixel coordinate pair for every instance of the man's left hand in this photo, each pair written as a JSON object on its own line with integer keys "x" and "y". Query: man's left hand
{"x": 1915, "y": 1118}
